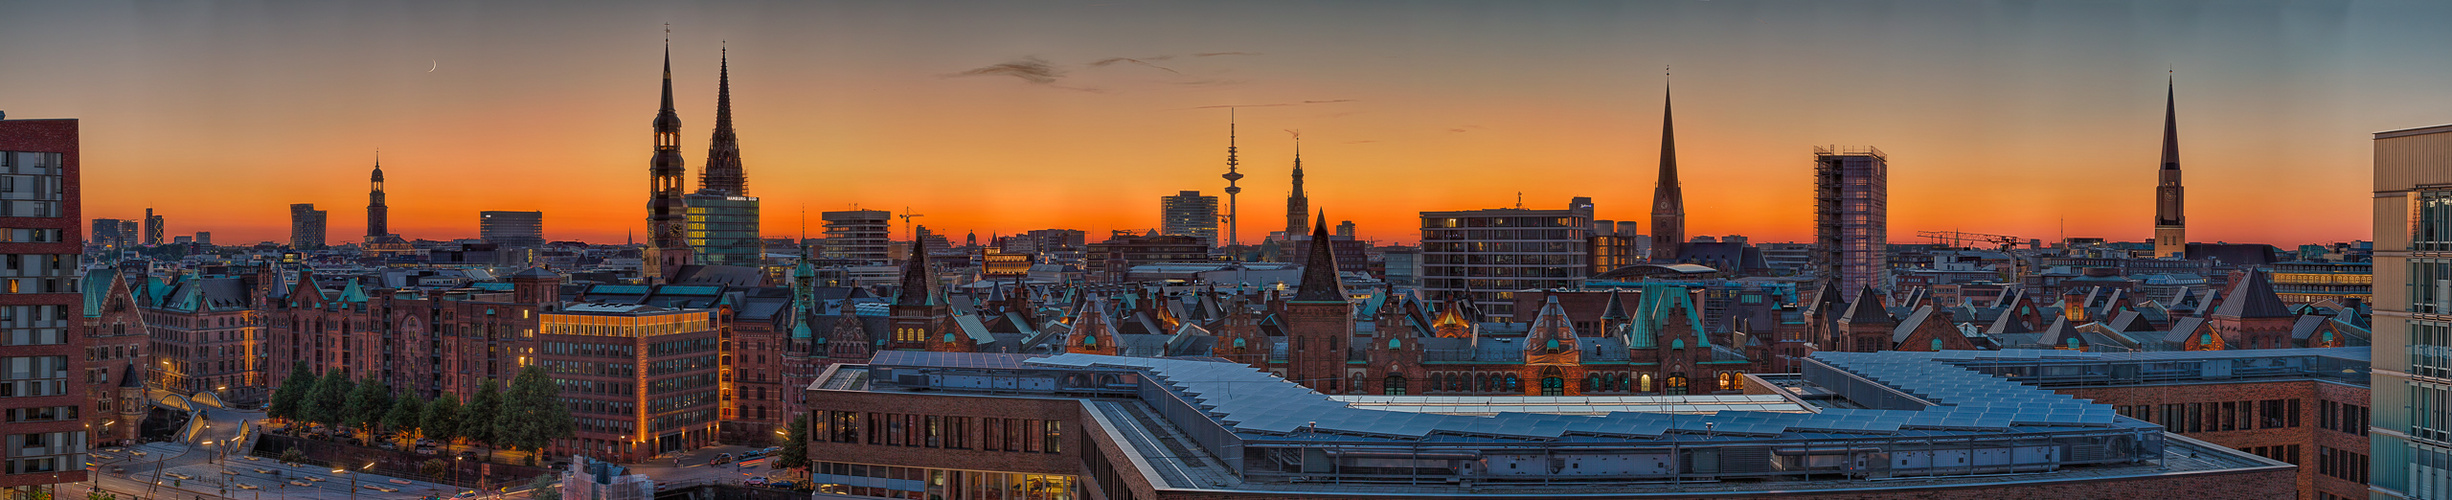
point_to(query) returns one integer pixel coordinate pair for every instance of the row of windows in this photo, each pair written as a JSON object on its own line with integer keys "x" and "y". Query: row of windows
{"x": 1560, "y": 270}
{"x": 939, "y": 431}
{"x": 589, "y": 349}
{"x": 671, "y": 403}
{"x": 600, "y": 407}
{"x": 1456, "y": 222}
{"x": 2430, "y": 348}
{"x": 2341, "y": 464}
{"x": 2430, "y": 221}
{"x": 945, "y": 484}
{"x": 679, "y": 420}
{"x": 42, "y": 414}
{"x": 2344, "y": 417}
{"x": 2288, "y": 454}
{"x": 681, "y": 365}
{"x": 2188, "y": 418}
{"x": 624, "y": 370}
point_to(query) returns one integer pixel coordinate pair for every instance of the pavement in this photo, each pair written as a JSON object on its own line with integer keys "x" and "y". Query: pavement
{"x": 178, "y": 471}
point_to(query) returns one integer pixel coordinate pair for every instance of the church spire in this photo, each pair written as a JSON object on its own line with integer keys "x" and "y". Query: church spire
{"x": 378, "y": 216}
{"x": 1298, "y": 204}
{"x": 2170, "y": 209}
{"x": 666, "y": 250}
{"x": 1668, "y": 202}
{"x": 1320, "y": 281}
{"x": 722, "y": 174}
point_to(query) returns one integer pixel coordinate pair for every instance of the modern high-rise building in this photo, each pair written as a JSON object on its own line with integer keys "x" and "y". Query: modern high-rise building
{"x": 857, "y": 234}
{"x": 510, "y": 229}
{"x": 2411, "y": 449}
{"x": 153, "y": 228}
{"x": 106, "y": 233}
{"x": 667, "y": 246}
{"x": 1484, "y": 256}
{"x": 723, "y": 218}
{"x": 306, "y": 227}
{"x": 1189, "y": 214}
{"x": 1668, "y": 198}
{"x": 1851, "y": 210}
{"x": 47, "y": 369}
{"x": 204, "y": 238}
{"x": 2170, "y": 213}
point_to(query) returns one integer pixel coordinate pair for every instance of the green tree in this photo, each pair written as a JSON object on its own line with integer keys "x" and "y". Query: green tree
{"x": 532, "y": 413}
{"x": 328, "y": 405}
{"x": 293, "y": 455}
{"x": 795, "y": 452}
{"x": 442, "y": 419}
{"x": 543, "y": 488}
{"x": 434, "y": 467}
{"x": 367, "y": 404}
{"x": 294, "y": 390}
{"x": 405, "y": 415}
{"x": 476, "y": 422}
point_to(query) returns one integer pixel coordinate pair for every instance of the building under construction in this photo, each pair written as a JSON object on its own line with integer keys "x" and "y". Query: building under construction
{"x": 1851, "y": 210}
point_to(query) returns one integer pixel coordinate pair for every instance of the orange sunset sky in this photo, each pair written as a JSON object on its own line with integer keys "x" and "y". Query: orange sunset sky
{"x": 2020, "y": 118}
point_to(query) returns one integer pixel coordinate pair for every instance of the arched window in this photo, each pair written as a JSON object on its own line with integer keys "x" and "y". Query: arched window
{"x": 1727, "y": 382}
{"x": 1551, "y": 383}
{"x": 1512, "y": 385}
{"x": 1394, "y": 386}
{"x": 1936, "y": 345}
{"x": 1676, "y": 384}
{"x": 1647, "y": 382}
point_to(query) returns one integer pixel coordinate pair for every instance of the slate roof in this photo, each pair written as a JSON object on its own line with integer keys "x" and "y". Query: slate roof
{"x": 2253, "y": 297}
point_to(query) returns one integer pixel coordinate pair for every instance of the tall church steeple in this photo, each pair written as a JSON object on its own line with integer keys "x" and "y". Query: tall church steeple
{"x": 666, "y": 250}
{"x": 2170, "y": 211}
{"x": 723, "y": 175}
{"x": 1668, "y": 203}
{"x": 1298, "y": 204}
{"x": 378, "y": 216}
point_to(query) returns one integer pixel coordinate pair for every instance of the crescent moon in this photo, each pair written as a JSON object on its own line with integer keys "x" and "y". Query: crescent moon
{"x": 436, "y": 64}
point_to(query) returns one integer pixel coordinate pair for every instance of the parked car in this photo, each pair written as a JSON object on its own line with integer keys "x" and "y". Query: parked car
{"x": 721, "y": 459}
{"x": 118, "y": 470}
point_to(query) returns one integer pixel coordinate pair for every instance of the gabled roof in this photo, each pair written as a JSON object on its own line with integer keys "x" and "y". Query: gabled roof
{"x": 1868, "y": 309}
{"x": 2253, "y": 297}
{"x": 1914, "y": 320}
{"x": 97, "y": 287}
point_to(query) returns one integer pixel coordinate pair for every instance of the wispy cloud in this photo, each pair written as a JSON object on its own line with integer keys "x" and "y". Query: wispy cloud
{"x": 1466, "y": 128}
{"x": 1276, "y": 104}
{"x": 1144, "y": 61}
{"x": 1029, "y": 69}
{"x": 1215, "y": 54}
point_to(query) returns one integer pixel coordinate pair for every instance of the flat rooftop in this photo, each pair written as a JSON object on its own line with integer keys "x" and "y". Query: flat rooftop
{"x": 1209, "y": 425}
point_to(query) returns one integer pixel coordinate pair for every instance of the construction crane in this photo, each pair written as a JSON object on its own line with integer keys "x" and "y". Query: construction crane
{"x": 906, "y": 224}
{"x": 1959, "y": 238}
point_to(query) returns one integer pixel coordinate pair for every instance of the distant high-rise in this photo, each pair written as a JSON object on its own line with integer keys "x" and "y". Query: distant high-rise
{"x": 1189, "y": 214}
{"x": 129, "y": 233}
{"x": 2170, "y": 212}
{"x": 106, "y": 233}
{"x": 378, "y": 217}
{"x": 512, "y": 229}
{"x": 204, "y": 238}
{"x": 153, "y": 228}
{"x": 306, "y": 227}
{"x": 1298, "y": 204}
{"x": 1668, "y": 198}
{"x": 1851, "y": 213}
{"x": 667, "y": 249}
{"x": 858, "y": 235}
{"x": 723, "y": 218}
{"x": 1484, "y": 256}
